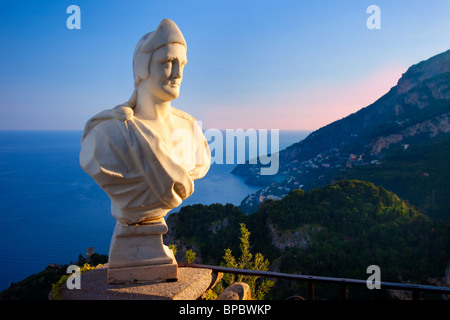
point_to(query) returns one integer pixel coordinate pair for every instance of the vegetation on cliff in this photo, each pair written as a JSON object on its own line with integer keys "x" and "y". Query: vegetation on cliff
{"x": 346, "y": 226}
{"x": 361, "y": 224}
{"x": 419, "y": 173}
{"x": 211, "y": 229}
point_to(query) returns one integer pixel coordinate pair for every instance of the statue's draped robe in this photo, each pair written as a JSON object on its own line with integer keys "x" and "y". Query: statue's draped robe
{"x": 135, "y": 167}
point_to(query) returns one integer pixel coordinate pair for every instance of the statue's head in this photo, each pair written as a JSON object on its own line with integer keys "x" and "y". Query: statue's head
{"x": 159, "y": 59}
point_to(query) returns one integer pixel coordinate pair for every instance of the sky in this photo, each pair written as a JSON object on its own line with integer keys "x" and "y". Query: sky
{"x": 266, "y": 64}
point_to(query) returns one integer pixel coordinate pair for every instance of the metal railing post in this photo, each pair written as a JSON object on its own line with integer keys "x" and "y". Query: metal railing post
{"x": 310, "y": 289}
{"x": 344, "y": 291}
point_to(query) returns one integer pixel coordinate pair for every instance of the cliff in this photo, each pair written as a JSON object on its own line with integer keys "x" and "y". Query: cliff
{"x": 413, "y": 112}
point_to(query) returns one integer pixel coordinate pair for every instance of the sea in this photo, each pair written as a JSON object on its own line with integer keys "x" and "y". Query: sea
{"x": 51, "y": 211}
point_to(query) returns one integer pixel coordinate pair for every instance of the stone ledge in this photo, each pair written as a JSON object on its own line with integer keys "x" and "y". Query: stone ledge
{"x": 192, "y": 284}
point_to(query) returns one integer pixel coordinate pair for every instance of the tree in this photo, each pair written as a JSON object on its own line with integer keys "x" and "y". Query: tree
{"x": 190, "y": 256}
{"x": 258, "y": 288}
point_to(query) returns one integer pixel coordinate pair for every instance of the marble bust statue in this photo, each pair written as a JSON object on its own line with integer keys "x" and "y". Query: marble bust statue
{"x": 145, "y": 154}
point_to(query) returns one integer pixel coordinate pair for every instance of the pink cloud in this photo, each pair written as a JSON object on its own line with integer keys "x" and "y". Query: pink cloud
{"x": 306, "y": 109}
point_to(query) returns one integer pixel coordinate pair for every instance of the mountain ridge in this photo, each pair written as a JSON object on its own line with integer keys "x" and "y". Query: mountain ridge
{"x": 415, "y": 110}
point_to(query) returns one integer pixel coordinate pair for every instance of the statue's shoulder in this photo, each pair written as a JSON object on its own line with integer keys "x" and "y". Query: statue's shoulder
{"x": 104, "y": 124}
{"x": 183, "y": 115}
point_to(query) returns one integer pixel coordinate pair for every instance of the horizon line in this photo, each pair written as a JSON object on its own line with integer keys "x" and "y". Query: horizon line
{"x": 81, "y": 130}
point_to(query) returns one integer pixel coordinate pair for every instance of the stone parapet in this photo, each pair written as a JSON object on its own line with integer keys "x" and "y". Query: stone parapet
{"x": 192, "y": 283}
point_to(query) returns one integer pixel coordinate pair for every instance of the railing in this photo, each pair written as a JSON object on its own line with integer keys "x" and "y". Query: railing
{"x": 343, "y": 282}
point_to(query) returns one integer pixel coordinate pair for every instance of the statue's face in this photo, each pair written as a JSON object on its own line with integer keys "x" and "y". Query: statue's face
{"x": 166, "y": 71}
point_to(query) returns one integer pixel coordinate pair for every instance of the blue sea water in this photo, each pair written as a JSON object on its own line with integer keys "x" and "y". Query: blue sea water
{"x": 51, "y": 210}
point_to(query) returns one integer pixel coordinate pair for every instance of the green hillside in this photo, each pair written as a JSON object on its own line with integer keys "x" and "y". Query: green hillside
{"x": 338, "y": 231}
{"x": 420, "y": 174}
{"x": 361, "y": 224}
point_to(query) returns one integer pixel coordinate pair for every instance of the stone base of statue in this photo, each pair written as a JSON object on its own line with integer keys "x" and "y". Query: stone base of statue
{"x": 137, "y": 254}
{"x": 192, "y": 284}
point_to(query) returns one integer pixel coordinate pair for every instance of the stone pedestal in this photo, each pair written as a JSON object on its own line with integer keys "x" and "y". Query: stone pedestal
{"x": 137, "y": 254}
{"x": 192, "y": 283}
